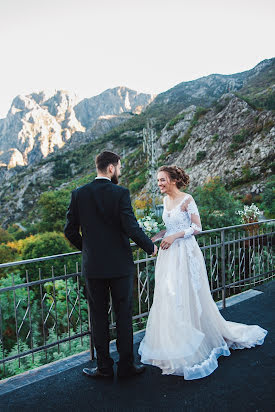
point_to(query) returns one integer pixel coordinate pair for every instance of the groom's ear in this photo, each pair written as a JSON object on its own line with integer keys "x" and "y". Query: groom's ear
{"x": 110, "y": 168}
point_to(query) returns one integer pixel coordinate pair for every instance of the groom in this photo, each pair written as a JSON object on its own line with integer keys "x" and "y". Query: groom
{"x": 100, "y": 221}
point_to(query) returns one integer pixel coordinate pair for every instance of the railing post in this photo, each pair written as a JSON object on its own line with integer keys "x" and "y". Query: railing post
{"x": 223, "y": 269}
{"x": 92, "y": 346}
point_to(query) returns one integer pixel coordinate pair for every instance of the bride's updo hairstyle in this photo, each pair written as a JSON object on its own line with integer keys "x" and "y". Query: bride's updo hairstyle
{"x": 177, "y": 174}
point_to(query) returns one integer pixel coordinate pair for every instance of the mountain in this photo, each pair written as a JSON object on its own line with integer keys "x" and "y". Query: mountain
{"x": 39, "y": 124}
{"x": 231, "y": 136}
{"x": 111, "y": 102}
{"x": 206, "y": 90}
{"x": 231, "y": 140}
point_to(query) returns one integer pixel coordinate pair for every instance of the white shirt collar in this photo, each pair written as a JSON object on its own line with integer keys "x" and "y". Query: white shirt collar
{"x": 103, "y": 177}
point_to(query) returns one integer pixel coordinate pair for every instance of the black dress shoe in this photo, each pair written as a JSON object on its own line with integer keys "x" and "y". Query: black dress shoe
{"x": 132, "y": 371}
{"x": 96, "y": 373}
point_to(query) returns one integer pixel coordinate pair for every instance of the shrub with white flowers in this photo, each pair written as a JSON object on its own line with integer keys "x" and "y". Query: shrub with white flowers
{"x": 249, "y": 214}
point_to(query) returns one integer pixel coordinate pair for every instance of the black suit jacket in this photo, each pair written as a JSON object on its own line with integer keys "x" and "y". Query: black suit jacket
{"x": 103, "y": 213}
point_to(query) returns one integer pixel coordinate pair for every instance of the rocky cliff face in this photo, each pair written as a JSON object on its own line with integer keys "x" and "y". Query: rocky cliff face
{"x": 232, "y": 138}
{"x": 40, "y": 124}
{"x": 206, "y": 90}
{"x": 234, "y": 142}
{"x": 111, "y": 102}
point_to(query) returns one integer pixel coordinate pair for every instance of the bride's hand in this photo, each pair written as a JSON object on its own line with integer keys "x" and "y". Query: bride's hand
{"x": 167, "y": 242}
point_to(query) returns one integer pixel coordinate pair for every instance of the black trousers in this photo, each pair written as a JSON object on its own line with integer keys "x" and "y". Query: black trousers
{"x": 122, "y": 299}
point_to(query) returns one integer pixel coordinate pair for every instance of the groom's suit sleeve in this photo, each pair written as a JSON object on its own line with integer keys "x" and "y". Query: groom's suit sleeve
{"x": 72, "y": 226}
{"x": 130, "y": 225}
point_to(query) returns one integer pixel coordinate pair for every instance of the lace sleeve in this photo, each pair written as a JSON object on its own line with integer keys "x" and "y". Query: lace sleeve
{"x": 193, "y": 213}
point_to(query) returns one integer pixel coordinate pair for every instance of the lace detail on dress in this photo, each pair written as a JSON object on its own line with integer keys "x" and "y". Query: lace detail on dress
{"x": 185, "y": 218}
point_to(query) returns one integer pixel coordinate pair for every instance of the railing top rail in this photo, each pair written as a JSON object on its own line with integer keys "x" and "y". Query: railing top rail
{"x": 41, "y": 259}
{"x": 45, "y": 258}
{"x": 218, "y": 229}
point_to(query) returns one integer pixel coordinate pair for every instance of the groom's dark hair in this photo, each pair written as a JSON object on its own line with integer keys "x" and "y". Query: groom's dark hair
{"x": 104, "y": 159}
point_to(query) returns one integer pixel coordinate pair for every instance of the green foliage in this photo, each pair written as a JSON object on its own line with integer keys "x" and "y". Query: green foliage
{"x": 220, "y": 105}
{"x": 55, "y": 326}
{"x": 200, "y": 155}
{"x": 241, "y": 137}
{"x": 138, "y": 182}
{"x": 175, "y": 120}
{"x": 176, "y": 144}
{"x": 268, "y": 199}
{"x": 215, "y": 137}
{"x": 238, "y": 141}
{"x": 7, "y": 253}
{"x": 8, "y": 309}
{"x": 217, "y": 207}
{"x": 40, "y": 358}
{"x": 52, "y": 207}
{"x": 16, "y": 232}
{"x": 45, "y": 244}
{"x": 61, "y": 168}
{"x": 247, "y": 176}
{"x": 258, "y": 90}
{"x": 5, "y": 236}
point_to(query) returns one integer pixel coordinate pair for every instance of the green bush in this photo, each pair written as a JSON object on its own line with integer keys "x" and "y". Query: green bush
{"x": 175, "y": 120}
{"x": 52, "y": 207}
{"x": 217, "y": 207}
{"x": 215, "y": 137}
{"x": 200, "y": 155}
{"x": 268, "y": 199}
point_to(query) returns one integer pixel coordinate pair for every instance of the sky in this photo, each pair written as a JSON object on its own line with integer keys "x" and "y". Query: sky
{"x": 88, "y": 46}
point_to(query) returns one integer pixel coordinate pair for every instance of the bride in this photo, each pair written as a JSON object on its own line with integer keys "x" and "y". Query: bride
{"x": 185, "y": 333}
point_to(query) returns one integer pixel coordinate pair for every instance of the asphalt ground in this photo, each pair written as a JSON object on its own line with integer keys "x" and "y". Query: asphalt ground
{"x": 244, "y": 381}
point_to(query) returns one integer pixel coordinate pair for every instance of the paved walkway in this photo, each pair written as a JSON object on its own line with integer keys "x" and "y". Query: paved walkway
{"x": 245, "y": 381}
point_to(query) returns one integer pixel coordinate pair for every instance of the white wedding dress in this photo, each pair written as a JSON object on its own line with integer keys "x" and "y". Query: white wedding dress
{"x": 185, "y": 332}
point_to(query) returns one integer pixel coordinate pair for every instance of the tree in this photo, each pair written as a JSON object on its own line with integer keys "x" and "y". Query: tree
{"x": 269, "y": 199}
{"x": 7, "y": 254}
{"x": 47, "y": 244}
{"x": 4, "y": 236}
{"x": 217, "y": 207}
{"x": 52, "y": 210}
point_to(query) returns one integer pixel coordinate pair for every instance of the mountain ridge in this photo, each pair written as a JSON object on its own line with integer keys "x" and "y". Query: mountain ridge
{"x": 40, "y": 123}
{"x": 231, "y": 138}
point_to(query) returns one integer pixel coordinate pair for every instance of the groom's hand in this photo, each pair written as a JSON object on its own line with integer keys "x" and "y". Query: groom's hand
{"x": 155, "y": 250}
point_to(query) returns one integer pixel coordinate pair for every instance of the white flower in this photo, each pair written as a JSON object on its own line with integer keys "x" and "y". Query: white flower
{"x": 249, "y": 212}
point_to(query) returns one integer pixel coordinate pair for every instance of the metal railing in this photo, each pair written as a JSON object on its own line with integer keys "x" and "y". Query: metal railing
{"x": 43, "y": 301}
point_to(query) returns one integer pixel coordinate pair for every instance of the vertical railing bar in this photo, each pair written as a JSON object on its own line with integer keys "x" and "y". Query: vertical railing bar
{"x": 217, "y": 260}
{"x": 249, "y": 257}
{"x": 211, "y": 258}
{"x": 204, "y": 255}
{"x": 92, "y": 346}
{"x": 239, "y": 256}
{"x": 228, "y": 262}
{"x": 139, "y": 280}
{"x": 79, "y": 303}
{"x": 223, "y": 269}
{"x": 16, "y": 324}
{"x": 30, "y": 317}
{"x": 148, "y": 290}
{"x": 234, "y": 259}
{"x": 254, "y": 262}
{"x": 147, "y": 280}
{"x": 244, "y": 260}
{"x": 2, "y": 337}
{"x": 111, "y": 308}
{"x": 67, "y": 305}
{"x": 42, "y": 313}
{"x": 269, "y": 250}
{"x": 55, "y": 311}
